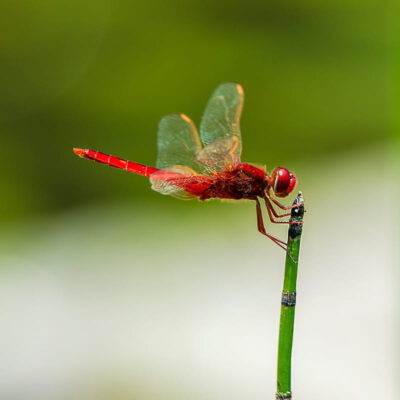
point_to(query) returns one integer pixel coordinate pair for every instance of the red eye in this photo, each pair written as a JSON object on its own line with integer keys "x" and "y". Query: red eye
{"x": 282, "y": 181}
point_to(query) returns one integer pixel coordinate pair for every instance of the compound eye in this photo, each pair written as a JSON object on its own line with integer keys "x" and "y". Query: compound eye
{"x": 282, "y": 180}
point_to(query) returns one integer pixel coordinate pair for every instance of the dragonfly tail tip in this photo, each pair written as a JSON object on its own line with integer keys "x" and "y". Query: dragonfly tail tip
{"x": 79, "y": 152}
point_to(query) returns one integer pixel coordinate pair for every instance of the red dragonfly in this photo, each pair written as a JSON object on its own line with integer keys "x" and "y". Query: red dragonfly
{"x": 208, "y": 165}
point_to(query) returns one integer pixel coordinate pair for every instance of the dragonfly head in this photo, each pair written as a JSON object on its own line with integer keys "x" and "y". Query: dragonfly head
{"x": 282, "y": 181}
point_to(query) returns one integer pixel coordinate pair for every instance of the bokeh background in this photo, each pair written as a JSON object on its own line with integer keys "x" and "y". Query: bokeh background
{"x": 110, "y": 291}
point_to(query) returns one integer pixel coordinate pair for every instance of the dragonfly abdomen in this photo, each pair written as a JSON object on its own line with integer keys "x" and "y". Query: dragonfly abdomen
{"x": 116, "y": 162}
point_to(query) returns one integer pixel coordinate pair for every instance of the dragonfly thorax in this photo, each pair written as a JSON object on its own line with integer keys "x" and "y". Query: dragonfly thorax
{"x": 243, "y": 182}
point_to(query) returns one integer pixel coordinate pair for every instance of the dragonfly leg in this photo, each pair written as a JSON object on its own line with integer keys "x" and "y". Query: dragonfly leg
{"x": 280, "y": 205}
{"x": 272, "y": 213}
{"x": 272, "y": 209}
{"x": 261, "y": 227}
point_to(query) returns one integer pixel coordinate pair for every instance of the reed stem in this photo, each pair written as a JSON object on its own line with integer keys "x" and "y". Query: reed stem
{"x": 288, "y": 303}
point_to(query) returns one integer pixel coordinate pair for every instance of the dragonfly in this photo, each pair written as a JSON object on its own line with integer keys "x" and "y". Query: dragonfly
{"x": 208, "y": 165}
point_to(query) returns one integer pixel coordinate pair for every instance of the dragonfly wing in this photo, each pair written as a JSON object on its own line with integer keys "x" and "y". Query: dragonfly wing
{"x": 220, "y": 127}
{"x": 178, "y": 143}
{"x": 179, "y": 181}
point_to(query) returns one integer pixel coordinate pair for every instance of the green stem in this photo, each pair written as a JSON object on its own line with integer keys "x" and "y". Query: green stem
{"x": 288, "y": 303}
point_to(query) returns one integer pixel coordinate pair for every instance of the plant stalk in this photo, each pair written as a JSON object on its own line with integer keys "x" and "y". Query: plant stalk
{"x": 288, "y": 302}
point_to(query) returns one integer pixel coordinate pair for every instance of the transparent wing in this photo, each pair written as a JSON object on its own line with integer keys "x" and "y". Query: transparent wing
{"x": 179, "y": 181}
{"x": 178, "y": 143}
{"x": 163, "y": 181}
{"x": 220, "y": 127}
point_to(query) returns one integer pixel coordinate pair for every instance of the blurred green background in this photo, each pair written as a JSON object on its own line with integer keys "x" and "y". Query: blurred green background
{"x": 101, "y": 74}
{"x": 114, "y": 292}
